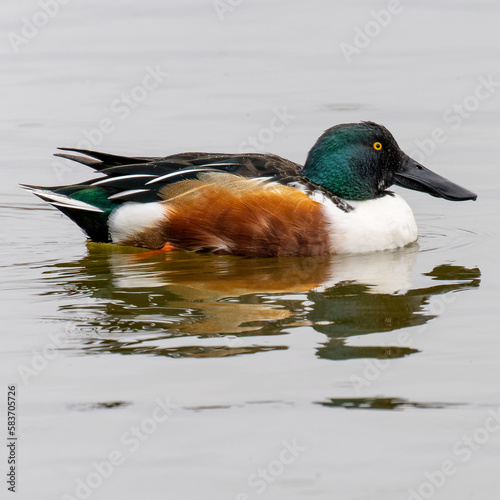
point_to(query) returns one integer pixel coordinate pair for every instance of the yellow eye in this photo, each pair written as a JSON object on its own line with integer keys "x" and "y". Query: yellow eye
{"x": 377, "y": 146}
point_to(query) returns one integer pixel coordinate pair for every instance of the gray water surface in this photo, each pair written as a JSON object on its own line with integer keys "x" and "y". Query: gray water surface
{"x": 146, "y": 375}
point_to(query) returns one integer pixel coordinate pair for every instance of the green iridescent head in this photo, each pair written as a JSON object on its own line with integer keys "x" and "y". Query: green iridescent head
{"x": 360, "y": 161}
{"x": 355, "y": 161}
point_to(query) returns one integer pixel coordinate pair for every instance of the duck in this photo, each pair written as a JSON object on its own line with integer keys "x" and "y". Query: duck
{"x": 255, "y": 204}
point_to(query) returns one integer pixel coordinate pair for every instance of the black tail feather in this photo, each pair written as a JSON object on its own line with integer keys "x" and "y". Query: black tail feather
{"x": 94, "y": 224}
{"x": 89, "y": 162}
{"x": 101, "y": 160}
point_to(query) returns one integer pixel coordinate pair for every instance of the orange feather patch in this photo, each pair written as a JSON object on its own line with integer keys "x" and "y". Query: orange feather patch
{"x": 226, "y": 214}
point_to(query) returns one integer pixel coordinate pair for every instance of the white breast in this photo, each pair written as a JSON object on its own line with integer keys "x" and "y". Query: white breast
{"x": 381, "y": 224}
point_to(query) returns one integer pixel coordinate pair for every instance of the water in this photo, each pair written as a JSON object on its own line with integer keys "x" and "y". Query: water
{"x": 186, "y": 376}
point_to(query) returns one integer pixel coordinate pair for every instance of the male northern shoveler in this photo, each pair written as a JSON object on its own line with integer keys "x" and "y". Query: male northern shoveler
{"x": 256, "y": 204}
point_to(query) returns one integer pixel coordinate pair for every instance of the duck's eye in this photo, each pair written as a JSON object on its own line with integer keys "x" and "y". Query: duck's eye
{"x": 377, "y": 146}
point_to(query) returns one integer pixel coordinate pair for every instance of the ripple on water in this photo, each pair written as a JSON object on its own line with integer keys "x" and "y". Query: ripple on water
{"x": 439, "y": 233}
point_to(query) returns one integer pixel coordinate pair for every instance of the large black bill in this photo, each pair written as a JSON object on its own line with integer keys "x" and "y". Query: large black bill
{"x": 417, "y": 177}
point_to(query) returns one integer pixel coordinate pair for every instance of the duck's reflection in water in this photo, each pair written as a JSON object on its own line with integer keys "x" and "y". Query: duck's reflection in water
{"x": 189, "y": 305}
